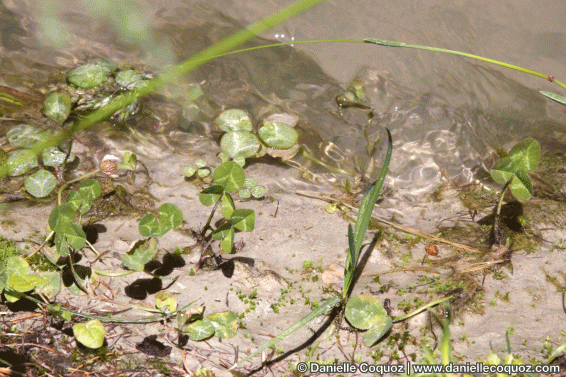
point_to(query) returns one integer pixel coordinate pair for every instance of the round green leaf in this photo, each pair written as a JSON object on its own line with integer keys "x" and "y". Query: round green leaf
{"x": 25, "y": 283}
{"x": 244, "y": 220}
{"x": 250, "y": 183}
{"x": 364, "y": 311}
{"x": 202, "y": 173}
{"x": 526, "y": 153}
{"x": 75, "y": 236}
{"x": 57, "y": 106}
{"x": 170, "y": 216}
{"x": 61, "y": 217}
{"x": 225, "y": 324}
{"x": 189, "y": 171}
{"x": 199, "y": 330}
{"x": 200, "y": 163}
{"x": 234, "y": 120}
{"x": 230, "y": 176}
{"x": 90, "y": 75}
{"x": 40, "y": 184}
{"x": 278, "y": 135}
{"x": 258, "y": 192}
{"x": 91, "y": 334}
{"x": 23, "y": 161}
{"x": 210, "y": 195}
{"x": 503, "y": 170}
{"x": 90, "y": 189}
{"x": 239, "y": 144}
{"x": 244, "y": 194}
{"x": 16, "y": 265}
{"x": 149, "y": 226}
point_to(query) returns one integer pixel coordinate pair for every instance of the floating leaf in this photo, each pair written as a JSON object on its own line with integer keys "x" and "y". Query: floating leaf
{"x": 234, "y": 120}
{"x": 210, "y": 195}
{"x": 90, "y": 334}
{"x": 57, "y": 106}
{"x": 364, "y": 311}
{"x": 244, "y": 219}
{"x": 23, "y": 161}
{"x": 230, "y": 176}
{"x": 199, "y": 330}
{"x": 239, "y": 144}
{"x": 40, "y": 184}
{"x": 278, "y": 135}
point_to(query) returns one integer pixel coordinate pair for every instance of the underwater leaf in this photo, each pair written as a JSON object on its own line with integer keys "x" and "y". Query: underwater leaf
{"x": 23, "y": 161}
{"x": 244, "y": 219}
{"x": 90, "y": 334}
{"x": 228, "y": 206}
{"x": 141, "y": 253}
{"x": 199, "y": 330}
{"x": 26, "y": 136}
{"x": 228, "y": 241}
{"x": 230, "y": 176}
{"x": 57, "y": 106}
{"x": 210, "y": 195}
{"x": 526, "y": 153}
{"x": 278, "y": 135}
{"x": 377, "y": 331}
{"x": 364, "y": 311}
{"x": 239, "y": 144}
{"x": 234, "y": 120}
{"x": 128, "y": 78}
{"x": 553, "y": 96}
{"x": 90, "y": 75}
{"x": 55, "y": 157}
{"x": 225, "y": 324}
{"x": 41, "y": 183}
{"x": 521, "y": 186}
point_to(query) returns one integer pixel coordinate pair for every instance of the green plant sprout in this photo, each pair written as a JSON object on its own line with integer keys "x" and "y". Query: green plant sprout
{"x": 362, "y": 311}
{"x": 511, "y": 172}
{"x": 201, "y": 170}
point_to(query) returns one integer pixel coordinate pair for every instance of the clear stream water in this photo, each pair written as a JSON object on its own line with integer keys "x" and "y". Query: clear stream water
{"x": 447, "y": 114}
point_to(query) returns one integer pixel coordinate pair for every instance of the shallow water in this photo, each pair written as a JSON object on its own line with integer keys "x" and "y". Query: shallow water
{"x": 447, "y": 114}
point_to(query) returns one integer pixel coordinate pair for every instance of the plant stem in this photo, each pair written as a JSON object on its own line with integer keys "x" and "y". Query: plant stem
{"x": 496, "y": 229}
{"x": 421, "y": 309}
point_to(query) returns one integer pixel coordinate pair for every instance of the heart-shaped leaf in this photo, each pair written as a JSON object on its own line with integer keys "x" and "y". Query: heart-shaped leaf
{"x": 61, "y": 217}
{"x": 228, "y": 206}
{"x": 170, "y": 216}
{"x": 91, "y": 334}
{"x": 25, "y": 283}
{"x": 526, "y": 153}
{"x": 244, "y": 219}
{"x": 210, "y": 195}
{"x": 377, "y": 331}
{"x": 521, "y": 186}
{"x": 230, "y": 176}
{"x": 225, "y": 324}
{"x": 199, "y": 330}
{"x": 228, "y": 241}
{"x": 141, "y": 253}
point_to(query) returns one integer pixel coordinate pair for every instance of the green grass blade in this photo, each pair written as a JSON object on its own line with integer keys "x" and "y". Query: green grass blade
{"x": 328, "y": 305}
{"x": 553, "y": 96}
{"x": 369, "y": 200}
{"x": 169, "y": 76}
{"x": 350, "y": 264}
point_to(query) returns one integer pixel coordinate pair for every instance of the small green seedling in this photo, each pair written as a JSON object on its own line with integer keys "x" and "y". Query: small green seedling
{"x": 229, "y": 177}
{"x": 201, "y": 170}
{"x": 90, "y": 334}
{"x": 511, "y": 172}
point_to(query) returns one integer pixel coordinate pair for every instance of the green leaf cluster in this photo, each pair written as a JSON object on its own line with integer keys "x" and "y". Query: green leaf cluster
{"x": 229, "y": 177}
{"x": 15, "y": 278}
{"x": 522, "y": 158}
{"x": 169, "y": 217}
{"x": 197, "y": 327}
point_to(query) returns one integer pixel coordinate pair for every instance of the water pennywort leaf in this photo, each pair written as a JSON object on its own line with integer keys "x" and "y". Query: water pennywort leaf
{"x": 40, "y": 184}
{"x": 239, "y": 144}
{"x": 230, "y": 176}
{"x": 278, "y": 135}
{"x": 90, "y": 334}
